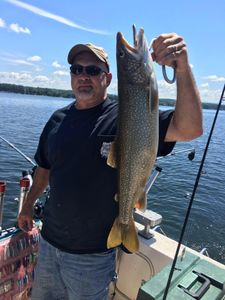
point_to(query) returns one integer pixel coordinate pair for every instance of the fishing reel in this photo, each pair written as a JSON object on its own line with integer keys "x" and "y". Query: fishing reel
{"x": 39, "y": 205}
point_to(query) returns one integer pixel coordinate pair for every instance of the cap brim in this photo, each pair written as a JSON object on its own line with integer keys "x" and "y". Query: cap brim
{"x": 81, "y": 48}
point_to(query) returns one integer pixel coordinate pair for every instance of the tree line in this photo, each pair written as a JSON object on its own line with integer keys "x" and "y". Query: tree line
{"x": 14, "y": 88}
{"x": 20, "y": 89}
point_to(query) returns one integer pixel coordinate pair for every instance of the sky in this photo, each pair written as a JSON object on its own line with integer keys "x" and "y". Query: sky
{"x": 36, "y": 36}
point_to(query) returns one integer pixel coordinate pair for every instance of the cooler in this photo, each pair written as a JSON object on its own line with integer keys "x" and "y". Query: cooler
{"x": 193, "y": 278}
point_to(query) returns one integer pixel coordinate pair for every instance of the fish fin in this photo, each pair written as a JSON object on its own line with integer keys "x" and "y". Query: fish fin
{"x": 142, "y": 202}
{"x": 111, "y": 159}
{"x": 154, "y": 103}
{"x": 154, "y": 95}
{"x": 130, "y": 237}
{"x": 115, "y": 235}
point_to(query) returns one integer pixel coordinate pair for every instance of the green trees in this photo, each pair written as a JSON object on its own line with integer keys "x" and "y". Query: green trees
{"x": 14, "y": 88}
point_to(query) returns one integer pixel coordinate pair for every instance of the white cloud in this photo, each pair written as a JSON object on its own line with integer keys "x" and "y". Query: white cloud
{"x": 210, "y": 95}
{"x": 166, "y": 90}
{"x": 17, "y": 61}
{"x": 14, "y": 27}
{"x": 215, "y": 78}
{"x": 2, "y": 23}
{"x": 22, "y": 62}
{"x": 41, "y": 78}
{"x": 61, "y": 73}
{"x": 27, "y": 79}
{"x": 34, "y": 58}
{"x": 207, "y": 94}
{"x": 55, "y": 64}
{"x": 18, "y": 29}
{"x": 46, "y": 14}
{"x": 204, "y": 85}
{"x": 15, "y": 77}
{"x": 29, "y": 61}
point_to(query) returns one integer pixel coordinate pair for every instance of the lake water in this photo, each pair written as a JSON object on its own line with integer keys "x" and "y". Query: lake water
{"x": 22, "y": 118}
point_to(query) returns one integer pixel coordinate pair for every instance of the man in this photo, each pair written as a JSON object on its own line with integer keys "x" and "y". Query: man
{"x": 74, "y": 262}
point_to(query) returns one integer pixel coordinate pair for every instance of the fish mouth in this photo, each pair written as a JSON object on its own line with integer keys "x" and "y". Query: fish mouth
{"x": 138, "y": 42}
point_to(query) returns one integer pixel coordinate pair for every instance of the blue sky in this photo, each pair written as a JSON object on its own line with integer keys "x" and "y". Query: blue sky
{"x": 37, "y": 35}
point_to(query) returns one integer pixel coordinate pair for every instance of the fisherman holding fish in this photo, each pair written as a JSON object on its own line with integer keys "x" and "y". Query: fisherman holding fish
{"x": 96, "y": 155}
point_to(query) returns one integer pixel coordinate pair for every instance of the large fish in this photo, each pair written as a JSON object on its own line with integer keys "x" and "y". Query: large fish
{"x": 135, "y": 148}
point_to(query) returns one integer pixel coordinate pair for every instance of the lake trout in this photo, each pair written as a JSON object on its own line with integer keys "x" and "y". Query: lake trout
{"x": 135, "y": 148}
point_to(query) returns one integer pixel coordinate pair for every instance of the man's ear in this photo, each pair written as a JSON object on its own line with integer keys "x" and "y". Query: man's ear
{"x": 109, "y": 78}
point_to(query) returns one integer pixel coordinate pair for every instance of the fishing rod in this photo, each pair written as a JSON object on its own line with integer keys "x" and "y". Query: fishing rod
{"x": 155, "y": 173}
{"x": 191, "y": 154}
{"x": 192, "y": 197}
{"x": 20, "y": 152}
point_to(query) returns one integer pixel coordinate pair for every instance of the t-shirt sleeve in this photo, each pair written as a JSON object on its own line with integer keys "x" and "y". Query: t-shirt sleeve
{"x": 41, "y": 155}
{"x": 164, "y": 148}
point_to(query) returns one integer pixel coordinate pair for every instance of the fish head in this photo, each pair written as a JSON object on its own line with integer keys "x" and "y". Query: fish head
{"x": 134, "y": 63}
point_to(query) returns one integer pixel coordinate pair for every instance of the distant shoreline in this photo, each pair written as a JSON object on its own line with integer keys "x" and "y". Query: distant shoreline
{"x": 38, "y": 91}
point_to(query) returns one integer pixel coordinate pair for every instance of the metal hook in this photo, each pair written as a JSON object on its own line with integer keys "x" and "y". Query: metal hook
{"x": 166, "y": 77}
{"x": 164, "y": 68}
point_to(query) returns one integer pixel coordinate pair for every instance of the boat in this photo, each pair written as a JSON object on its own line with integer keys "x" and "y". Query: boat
{"x": 148, "y": 274}
{"x": 18, "y": 258}
{"x": 163, "y": 268}
{"x": 143, "y": 275}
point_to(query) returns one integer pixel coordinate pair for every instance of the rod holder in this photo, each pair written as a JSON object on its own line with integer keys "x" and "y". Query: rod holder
{"x": 148, "y": 219}
{"x": 2, "y": 195}
{"x": 24, "y": 189}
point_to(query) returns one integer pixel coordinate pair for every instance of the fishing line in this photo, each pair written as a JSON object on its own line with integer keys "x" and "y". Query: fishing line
{"x": 192, "y": 197}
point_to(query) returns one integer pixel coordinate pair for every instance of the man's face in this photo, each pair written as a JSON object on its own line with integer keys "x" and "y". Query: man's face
{"x": 86, "y": 88}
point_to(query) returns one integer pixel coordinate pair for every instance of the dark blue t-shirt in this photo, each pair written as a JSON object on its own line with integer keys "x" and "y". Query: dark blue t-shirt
{"x": 74, "y": 144}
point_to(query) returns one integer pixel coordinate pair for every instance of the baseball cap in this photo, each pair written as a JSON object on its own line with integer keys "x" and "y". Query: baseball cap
{"x": 99, "y": 52}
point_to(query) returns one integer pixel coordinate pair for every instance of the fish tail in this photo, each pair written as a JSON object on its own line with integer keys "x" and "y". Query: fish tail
{"x": 115, "y": 235}
{"x": 130, "y": 237}
{"x": 123, "y": 234}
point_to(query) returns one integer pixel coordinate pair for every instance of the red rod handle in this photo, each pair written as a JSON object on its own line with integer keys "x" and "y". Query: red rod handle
{"x": 24, "y": 182}
{"x": 2, "y": 186}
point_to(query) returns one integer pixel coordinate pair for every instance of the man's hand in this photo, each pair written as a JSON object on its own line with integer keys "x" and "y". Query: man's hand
{"x": 25, "y": 218}
{"x": 170, "y": 50}
{"x": 40, "y": 182}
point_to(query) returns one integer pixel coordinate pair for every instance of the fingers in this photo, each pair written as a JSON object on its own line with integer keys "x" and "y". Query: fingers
{"x": 166, "y": 39}
{"x": 170, "y": 50}
{"x": 25, "y": 223}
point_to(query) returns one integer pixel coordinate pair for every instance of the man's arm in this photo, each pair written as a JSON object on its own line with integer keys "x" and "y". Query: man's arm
{"x": 186, "y": 124}
{"x": 40, "y": 182}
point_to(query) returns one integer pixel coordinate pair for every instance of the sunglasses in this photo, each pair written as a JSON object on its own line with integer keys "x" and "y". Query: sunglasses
{"x": 89, "y": 70}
